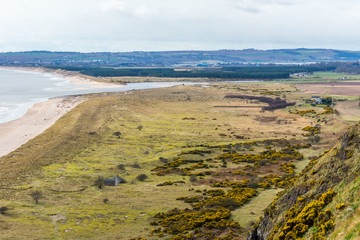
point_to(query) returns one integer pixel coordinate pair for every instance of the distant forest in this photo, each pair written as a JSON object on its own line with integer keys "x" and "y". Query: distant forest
{"x": 243, "y": 72}
{"x": 352, "y": 68}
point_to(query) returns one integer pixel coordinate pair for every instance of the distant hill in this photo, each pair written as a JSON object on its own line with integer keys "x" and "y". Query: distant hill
{"x": 176, "y": 58}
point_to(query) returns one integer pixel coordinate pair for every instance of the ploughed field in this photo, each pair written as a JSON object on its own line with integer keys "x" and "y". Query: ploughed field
{"x": 197, "y": 163}
{"x": 332, "y": 88}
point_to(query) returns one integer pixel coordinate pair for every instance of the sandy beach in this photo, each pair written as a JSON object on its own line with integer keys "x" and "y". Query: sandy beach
{"x": 41, "y": 116}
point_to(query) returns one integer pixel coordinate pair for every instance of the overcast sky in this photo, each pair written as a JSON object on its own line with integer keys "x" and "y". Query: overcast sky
{"x": 143, "y": 25}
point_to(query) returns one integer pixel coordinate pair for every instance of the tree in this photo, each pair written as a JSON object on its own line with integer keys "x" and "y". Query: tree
{"x": 100, "y": 182}
{"x": 36, "y": 195}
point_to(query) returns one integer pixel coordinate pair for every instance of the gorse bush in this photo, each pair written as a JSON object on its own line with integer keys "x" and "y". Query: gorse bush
{"x": 211, "y": 211}
{"x": 301, "y": 217}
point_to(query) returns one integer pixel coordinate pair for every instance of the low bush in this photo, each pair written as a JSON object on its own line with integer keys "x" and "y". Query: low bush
{"x": 121, "y": 166}
{"x": 193, "y": 178}
{"x": 3, "y": 210}
{"x": 135, "y": 165}
{"x": 142, "y": 177}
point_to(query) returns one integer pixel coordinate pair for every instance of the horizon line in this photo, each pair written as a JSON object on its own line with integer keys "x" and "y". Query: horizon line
{"x": 137, "y": 51}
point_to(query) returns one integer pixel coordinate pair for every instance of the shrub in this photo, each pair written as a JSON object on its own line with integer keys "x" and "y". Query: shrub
{"x": 121, "y": 166}
{"x": 163, "y": 160}
{"x": 36, "y": 195}
{"x": 301, "y": 217}
{"x": 135, "y": 165}
{"x": 3, "y": 210}
{"x": 252, "y": 184}
{"x": 117, "y": 134}
{"x": 193, "y": 178}
{"x": 142, "y": 177}
{"x": 167, "y": 183}
{"x": 99, "y": 182}
{"x": 340, "y": 206}
{"x": 263, "y": 162}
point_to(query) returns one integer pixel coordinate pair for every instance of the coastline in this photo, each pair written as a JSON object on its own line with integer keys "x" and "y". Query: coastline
{"x": 42, "y": 115}
{"x": 36, "y": 120}
{"x": 75, "y": 78}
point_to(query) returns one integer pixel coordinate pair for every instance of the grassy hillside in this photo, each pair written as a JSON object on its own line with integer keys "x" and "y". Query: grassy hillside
{"x": 301, "y": 212}
{"x": 194, "y": 146}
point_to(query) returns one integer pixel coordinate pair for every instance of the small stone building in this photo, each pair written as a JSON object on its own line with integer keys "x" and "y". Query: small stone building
{"x": 113, "y": 181}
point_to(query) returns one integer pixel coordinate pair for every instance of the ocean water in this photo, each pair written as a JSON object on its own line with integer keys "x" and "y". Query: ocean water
{"x": 20, "y": 90}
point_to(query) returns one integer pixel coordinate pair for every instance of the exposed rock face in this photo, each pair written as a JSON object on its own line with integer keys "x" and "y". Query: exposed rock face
{"x": 262, "y": 231}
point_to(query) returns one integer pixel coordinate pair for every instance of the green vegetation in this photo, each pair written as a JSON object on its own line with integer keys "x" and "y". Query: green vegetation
{"x": 36, "y": 195}
{"x": 245, "y": 72}
{"x": 204, "y": 164}
{"x": 326, "y": 194}
{"x": 301, "y": 217}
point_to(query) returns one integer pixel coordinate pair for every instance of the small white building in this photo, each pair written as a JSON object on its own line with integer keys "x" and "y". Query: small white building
{"x": 316, "y": 99}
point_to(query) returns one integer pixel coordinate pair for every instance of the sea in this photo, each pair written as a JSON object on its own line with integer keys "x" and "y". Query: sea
{"x": 20, "y": 90}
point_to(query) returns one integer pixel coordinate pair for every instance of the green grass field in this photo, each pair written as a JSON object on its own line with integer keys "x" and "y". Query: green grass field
{"x": 323, "y": 77}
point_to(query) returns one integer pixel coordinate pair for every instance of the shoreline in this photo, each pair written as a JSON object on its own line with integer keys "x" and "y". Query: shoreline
{"x": 75, "y": 78}
{"x": 41, "y": 116}
{"x": 35, "y": 121}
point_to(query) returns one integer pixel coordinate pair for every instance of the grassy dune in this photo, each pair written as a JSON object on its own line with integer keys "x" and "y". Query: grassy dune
{"x": 139, "y": 128}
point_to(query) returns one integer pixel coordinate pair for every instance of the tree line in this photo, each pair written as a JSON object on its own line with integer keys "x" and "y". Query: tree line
{"x": 266, "y": 72}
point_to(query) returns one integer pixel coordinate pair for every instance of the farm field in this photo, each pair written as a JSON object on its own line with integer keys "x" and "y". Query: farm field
{"x": 325, "y": 76}
{"x": 186, "y": 147}
{"x": 332, "y": 88}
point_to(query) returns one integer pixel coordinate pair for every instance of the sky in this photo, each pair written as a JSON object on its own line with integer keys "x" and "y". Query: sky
{"x": 162, "y": 25}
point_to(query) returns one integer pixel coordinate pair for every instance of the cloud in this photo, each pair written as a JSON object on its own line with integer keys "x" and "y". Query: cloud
{"x": 126, "y": 25}
{"x": 145, "y": 11}
{"x": 258, "y": 6}
{"x": 112, "y": 5}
